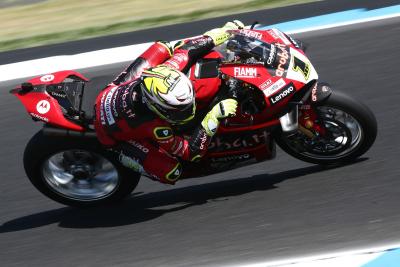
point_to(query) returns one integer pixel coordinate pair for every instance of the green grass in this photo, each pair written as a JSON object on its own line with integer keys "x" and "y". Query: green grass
{"x": 56, "y": 21}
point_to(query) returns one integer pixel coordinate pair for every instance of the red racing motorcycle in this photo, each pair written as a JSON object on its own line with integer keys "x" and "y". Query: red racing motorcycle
{"x": 280, "y": 102}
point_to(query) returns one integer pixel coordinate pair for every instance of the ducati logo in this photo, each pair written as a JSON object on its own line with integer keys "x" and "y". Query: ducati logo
{"x": 43, "y": 106}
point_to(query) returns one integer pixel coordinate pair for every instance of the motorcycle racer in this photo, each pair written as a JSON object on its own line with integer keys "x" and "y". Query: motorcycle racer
{"x": 136, "y": 113}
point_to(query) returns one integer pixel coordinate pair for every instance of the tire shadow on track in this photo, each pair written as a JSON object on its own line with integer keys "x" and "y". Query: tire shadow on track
{"x": 145, "y": 207}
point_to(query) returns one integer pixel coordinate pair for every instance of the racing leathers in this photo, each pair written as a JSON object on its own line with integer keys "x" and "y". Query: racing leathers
{"x": 143, "y": 141}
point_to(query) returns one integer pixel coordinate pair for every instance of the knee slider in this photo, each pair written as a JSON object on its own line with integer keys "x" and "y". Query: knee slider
{"x": 172, "y": 176}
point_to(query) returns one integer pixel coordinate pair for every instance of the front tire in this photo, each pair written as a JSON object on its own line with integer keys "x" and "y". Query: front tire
{"x": 352, "y": 130}
{"x": 77, "y": 172}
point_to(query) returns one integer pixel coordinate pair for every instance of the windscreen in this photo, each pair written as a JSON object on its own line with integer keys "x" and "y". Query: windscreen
{"x": 246, "y": 47}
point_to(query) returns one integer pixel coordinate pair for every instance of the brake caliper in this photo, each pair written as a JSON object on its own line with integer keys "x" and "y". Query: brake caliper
{"x": 309, "y": 123}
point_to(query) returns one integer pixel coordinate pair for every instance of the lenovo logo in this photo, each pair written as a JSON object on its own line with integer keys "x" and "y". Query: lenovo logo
{"x": 282, "y": 95}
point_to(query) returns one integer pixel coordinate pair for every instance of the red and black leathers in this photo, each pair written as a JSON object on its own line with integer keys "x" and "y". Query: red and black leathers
{"x": 143, "y": 140}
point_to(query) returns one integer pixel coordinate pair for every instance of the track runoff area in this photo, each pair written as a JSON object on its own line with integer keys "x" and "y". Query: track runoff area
{"x": 386, "y": 256}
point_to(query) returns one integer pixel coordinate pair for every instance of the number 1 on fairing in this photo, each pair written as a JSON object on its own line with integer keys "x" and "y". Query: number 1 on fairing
{"x": 302, "y": 67}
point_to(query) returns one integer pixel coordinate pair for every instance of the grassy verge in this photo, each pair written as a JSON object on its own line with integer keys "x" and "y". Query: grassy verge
{"x": 56, "y": 21}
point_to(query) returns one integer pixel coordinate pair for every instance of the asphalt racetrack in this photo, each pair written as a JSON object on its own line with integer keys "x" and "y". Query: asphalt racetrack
{"x": 268, "y": 211}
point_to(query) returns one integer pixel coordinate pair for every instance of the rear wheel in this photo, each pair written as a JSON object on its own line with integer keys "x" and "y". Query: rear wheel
{"x": 348, "y": 130}
{"x": 77, "y": 172}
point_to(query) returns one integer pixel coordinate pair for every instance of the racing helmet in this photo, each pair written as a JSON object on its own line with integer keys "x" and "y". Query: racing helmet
{"x": 168, "y": 93}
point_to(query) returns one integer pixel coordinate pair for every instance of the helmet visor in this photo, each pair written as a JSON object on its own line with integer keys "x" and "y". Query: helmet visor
{"x": 178, "y": 116}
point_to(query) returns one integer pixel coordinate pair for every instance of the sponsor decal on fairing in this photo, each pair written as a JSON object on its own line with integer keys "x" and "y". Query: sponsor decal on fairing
{"x": 245, "y": 72}
{"x": 43, "y": 106}
{"x": 265, "y": 84}
{"x": 58, "y": 94}
{"x": 252, "y": 139}
{"x": 272, "y": 55}
{"x": 275, "y": 87}
{"x": 300, "y": 68}
{"x": 283, "y": 56}
{"x": 231, "y": 158}
{"x": 250, "y": 33}
{"x": 39, "y": 117}
{"x": 47, "y": 78}
{"x": 284, "y": 93}
{"x": 314, "y": 93}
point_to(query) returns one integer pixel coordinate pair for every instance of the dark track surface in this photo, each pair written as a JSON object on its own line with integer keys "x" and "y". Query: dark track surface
{"x": 271, "y": 210}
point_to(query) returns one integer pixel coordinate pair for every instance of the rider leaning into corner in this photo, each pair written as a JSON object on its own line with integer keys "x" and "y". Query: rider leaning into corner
{"x": 136, "y": 113}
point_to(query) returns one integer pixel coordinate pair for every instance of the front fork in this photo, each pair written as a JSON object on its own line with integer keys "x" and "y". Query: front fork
{"x": 289, "y": 121}
{"x": 307, "y": 120}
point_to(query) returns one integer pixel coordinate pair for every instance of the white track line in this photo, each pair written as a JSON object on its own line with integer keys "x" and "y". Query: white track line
{"x": 342, "y": 259}
{"x": 346, "y": 23}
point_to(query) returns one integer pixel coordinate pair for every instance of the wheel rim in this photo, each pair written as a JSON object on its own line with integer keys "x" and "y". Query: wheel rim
{"x": 344, "y": 135}
{"x": 80, "y": 175}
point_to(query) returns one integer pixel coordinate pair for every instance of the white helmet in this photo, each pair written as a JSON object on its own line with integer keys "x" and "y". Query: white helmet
{"x": 169, "y": 93}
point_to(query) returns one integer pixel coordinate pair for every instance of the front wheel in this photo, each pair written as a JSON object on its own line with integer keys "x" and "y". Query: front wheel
{"x": 336, "y": 131}
{"x": 77, "y": 172}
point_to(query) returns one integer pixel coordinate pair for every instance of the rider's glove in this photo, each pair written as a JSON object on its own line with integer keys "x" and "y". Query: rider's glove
{"x": 233, "y": 25}
{"x": 225, "y": 108}
{"x": 220, "y": 35}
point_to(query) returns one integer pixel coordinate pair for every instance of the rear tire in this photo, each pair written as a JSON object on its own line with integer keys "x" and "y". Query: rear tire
{"x": 96, "y": 178}
{"x": 366, "y": 126}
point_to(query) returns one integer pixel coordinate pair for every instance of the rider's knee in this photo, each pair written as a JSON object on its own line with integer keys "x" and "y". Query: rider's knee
{"x": 171, "y": 174}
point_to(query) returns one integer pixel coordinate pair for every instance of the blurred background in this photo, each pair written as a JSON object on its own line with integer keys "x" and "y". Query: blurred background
{"x": 28, "y": 23}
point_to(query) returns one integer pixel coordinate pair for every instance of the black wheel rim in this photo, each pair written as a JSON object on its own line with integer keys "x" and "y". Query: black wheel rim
{"x": 344, "y": 134}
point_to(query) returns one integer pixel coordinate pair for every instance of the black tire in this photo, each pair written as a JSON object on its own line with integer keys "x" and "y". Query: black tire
{"x": 360, "y": 112}
{"x": 41, "y": 148}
